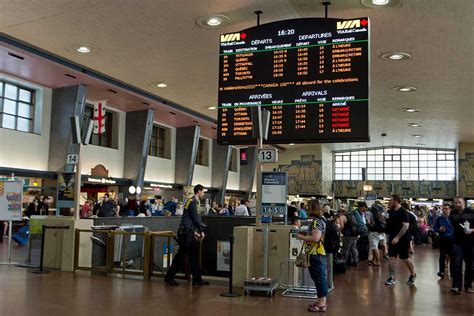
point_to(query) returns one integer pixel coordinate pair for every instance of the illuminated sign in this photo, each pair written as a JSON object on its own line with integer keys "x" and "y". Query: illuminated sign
{"x": 368, "y": 187}
{"x": 161, "y": 186}
{"x": 101, "y": 180}
{"x": 312, "y": 75}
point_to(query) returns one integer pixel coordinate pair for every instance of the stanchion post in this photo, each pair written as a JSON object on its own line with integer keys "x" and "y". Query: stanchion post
{"x": 231, "y": 293}
{"x": 41, "y": 271}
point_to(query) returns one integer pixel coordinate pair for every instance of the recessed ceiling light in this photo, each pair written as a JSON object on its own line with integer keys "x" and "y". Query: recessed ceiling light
{"x": 417, "y": 136}
{"x": 360, "y": 146}
{"x": 396, "y": 56}
{"x": 414, "y": 124}
{"x": 404, "y": 88}
{"x": 160, "y": 84}
{"x": 83, "y": 49}
{"x": 380, "y": 3}
{"x": 420, "y": 144}
{"x": 212, "y": 21}
{"x": 291, "y": 144}
{"x": 410, "y": 110}
{"x": 211, "y": 108}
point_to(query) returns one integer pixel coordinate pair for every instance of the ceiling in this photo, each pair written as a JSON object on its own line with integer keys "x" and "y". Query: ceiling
{"x": 145, "y": 41}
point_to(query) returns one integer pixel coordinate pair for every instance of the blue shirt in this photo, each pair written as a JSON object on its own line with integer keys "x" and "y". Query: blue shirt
{"x": 303, "y": 214}
{"x": 446, "y": 222}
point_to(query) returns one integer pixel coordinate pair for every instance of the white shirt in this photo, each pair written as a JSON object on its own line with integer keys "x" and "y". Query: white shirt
{"x": 242, "y": 210}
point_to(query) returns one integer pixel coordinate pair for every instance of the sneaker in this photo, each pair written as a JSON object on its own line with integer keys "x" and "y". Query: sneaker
{"x": 441, "y": 275}
{"x": 200, "y": 282}
{"x": 390, "y": 281}
{"x": 455, "y": 290}
{"x": 470, "y": 290}
{"x": 411, "y": 280}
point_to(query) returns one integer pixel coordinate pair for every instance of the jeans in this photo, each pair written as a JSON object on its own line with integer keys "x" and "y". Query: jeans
{"x": 187, "y": 246}
{"x": 318, "y": 271}
{"x": 462, "y": 252}
{"x": 349, "y": 249}
{"x": 445, "y": 249}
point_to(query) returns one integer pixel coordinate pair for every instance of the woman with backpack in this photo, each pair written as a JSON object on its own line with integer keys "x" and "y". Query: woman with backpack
{"x": 314, "y": 248}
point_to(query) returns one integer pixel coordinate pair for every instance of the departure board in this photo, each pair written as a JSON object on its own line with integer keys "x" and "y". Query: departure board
{"x": 312, "y": 74}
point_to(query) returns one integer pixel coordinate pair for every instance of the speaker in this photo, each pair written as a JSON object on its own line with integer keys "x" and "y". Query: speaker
{"x": 364, "y": 174}
{"x": 76, "y": 130}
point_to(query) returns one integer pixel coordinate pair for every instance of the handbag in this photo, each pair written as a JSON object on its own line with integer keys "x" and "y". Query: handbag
{"x": 302, "y": 260}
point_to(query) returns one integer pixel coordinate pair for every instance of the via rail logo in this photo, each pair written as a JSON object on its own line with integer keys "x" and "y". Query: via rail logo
{"x": 233, "y": 37}
{"x": 350, "y": 24}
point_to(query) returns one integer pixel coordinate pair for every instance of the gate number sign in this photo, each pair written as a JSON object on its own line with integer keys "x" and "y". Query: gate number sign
{"x": 267, "y": 155}
{"x": 72, "y": 159}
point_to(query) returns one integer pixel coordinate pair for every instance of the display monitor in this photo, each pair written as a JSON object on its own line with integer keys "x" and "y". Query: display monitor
{"x": 312, "y": 74}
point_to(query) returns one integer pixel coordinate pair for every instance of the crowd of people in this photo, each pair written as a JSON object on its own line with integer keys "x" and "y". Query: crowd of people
{"x": 376, "y": 234}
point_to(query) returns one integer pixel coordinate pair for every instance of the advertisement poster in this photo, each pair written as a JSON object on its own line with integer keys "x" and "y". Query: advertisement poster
{"x": 11, "y": 196}
{"x": 223, "y": 256}
{"x": 66, "y": 183}
{"x": 274, "y": 193}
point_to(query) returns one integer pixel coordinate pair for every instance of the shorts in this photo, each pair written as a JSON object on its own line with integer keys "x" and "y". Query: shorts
{"x": 400, "y": 250}
{"x": 374, "y": 239}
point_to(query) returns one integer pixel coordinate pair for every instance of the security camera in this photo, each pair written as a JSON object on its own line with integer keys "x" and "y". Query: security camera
{"x": 384, "y": 134}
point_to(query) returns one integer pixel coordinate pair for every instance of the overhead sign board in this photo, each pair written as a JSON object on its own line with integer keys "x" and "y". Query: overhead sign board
{"x": 312, "y": 74}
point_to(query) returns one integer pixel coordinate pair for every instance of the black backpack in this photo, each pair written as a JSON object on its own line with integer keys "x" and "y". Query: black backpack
{"x": 377, "y": 212}
{"x": 413, "y": 228}
{"x": 332, "y": 237}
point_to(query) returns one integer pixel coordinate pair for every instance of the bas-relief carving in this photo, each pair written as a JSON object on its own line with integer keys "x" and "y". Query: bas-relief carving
{"x": 305, "y": 176}
{"x": 428, "y": 189}
{"x": 466, "y": 176}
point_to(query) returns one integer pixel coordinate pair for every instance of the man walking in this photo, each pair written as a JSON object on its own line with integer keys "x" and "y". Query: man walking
{"x": 189, "y": 233}
{"x": 443, "y": 226}
{"x": 397, "y": 226}
{"x": 462, "y": 219}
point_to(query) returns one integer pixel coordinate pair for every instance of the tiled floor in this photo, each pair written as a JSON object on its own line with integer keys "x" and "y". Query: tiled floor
{"x": 360, "y": 291}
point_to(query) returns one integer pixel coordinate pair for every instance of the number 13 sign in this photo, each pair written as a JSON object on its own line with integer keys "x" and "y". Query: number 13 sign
{"x": 267, "y": 155}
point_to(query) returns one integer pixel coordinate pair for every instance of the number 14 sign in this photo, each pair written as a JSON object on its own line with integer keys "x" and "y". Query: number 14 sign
{"x": 268, "y": 155}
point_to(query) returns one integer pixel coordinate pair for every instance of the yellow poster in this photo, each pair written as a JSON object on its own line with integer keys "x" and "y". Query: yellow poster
{"x": 2, "y": 188}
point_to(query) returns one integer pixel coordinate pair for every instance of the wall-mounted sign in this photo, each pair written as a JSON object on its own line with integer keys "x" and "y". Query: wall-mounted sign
{"x": 274, "y": 193}
{"x": 161, "y": 186}
{"x": 66, "y": 186}
{"x": 101, "y": 180}
{"x": 368, "y": 187}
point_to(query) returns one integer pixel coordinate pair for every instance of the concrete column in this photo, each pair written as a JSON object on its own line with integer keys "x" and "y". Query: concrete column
{"x": 187, "y": 140}
{"x": 221, "y": 156}
{"x": 66, "y": 102}
{"x": 139, "y": 127}
{"x": 247, "y": 172}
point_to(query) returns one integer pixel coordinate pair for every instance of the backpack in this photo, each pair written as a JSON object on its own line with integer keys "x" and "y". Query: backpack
{"x": 377, "y": 212}
{"x": 413, "y": 224}
{"x": 332, "y": 237}
{"x": 358, "y": 227}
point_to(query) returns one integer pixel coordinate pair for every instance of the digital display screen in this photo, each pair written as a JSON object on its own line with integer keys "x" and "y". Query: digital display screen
{"x": 312, "y": 74}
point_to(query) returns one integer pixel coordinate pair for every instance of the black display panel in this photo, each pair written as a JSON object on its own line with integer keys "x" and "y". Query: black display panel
{"x": 312, "y": 74}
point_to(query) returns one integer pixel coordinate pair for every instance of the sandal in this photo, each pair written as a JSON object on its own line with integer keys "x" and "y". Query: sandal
{"x": 318, "y": 309}
{"x": 313, "y": 305}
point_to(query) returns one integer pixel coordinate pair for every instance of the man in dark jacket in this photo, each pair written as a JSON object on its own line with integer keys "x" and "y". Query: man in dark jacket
{"x": 189, "y": 233}
{"x": 462, "y": 219}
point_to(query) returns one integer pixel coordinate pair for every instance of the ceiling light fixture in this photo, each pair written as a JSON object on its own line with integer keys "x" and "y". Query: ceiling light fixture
{"x": 380, "y": 2}
{"x": 212, "y": 21}
{"x": 211, "y": 108}
{"x": 414, "y": 124}
{"x": 291, "y": 144}
{"x": 417, "y": 136}
{"x": 83, "y": 49}
{"x": 404, "y": 88}
{"x": 396, "y": 56}
{"x": 410, "y": 110}
{"x": 161, "y": 85}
